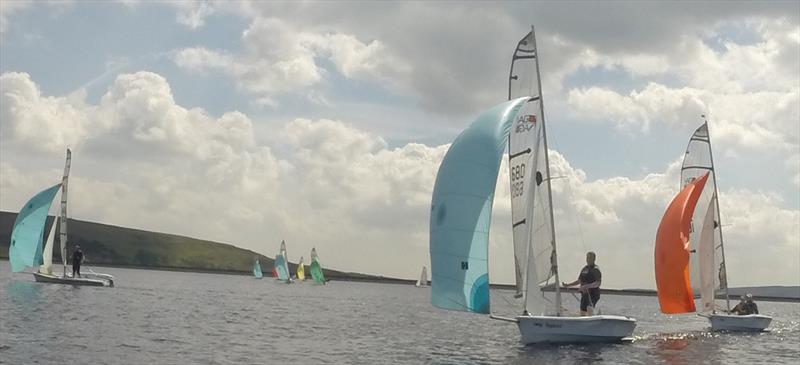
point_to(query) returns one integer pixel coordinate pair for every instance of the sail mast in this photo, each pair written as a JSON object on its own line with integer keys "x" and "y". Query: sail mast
{"x": 719, "y": 218}
{"x": 554, "y": 258}
{"x": 62, "y": 238}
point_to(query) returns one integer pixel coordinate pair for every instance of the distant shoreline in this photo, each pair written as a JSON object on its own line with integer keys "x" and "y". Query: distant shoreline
{"x": 357, "y": 277}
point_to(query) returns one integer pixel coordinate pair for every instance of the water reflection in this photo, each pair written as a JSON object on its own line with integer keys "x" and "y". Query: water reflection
{"x": 23, "y": 293}
{"x": 687, "y": 348}
{"x": 565, "y": 354}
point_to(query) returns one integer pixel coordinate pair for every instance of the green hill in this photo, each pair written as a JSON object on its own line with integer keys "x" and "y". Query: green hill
{"x": 118, "y": 246}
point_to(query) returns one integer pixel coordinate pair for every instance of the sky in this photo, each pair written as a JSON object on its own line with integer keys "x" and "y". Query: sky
{"x": 324, "y": 123}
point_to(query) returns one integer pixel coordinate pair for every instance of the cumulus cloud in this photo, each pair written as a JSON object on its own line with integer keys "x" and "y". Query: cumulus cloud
{"x": 278, "y": 58}
{"x": 327, "y": 184}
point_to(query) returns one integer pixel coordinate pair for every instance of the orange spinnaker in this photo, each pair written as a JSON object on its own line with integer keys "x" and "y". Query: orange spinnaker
{"x": 672, "y": 250}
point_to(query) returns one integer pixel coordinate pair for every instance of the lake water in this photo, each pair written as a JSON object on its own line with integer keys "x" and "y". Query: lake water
{"x": 159, "y": 317}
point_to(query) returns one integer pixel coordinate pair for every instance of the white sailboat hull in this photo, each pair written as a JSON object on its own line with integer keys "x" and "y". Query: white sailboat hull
{"x": 748, "y": 323}
{"x": 550, "y": 329}
{"x": 97, "y": 280}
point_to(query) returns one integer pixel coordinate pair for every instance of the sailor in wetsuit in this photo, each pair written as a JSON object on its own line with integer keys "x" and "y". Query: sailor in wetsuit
{"x": 77, "y": 260}
{"x": 589, "y": 280}
{"x": 746, "y": 306}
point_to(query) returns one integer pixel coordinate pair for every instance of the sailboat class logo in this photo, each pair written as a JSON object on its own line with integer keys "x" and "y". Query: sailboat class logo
{"x": 525, "y": 123}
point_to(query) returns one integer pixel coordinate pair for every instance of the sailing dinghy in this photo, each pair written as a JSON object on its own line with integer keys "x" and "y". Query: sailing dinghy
{"x": 26, "y": 239}
{"x": 461, "y": 212}
{"x": 257, "y": 270}
{"x": 423, "y": 278}
{"x": 689, "y": 247}
{"x": 316, "y": 268}
{"x": 282, "y": 265}
{"x": 301, "y": 270}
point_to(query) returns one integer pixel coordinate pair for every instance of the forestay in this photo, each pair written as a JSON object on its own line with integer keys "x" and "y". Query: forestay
{"x": 26, "y": 236}
{"x": 531, "y": 205}
{"x": 461, "y": 210}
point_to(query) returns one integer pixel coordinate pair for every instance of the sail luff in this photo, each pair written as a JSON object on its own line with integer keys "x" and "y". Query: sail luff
{"x": 705, "y": 250}
{"x": 63, "y": 218}
{"x": 554, "y": 257}
{"x": 724, "y": 265}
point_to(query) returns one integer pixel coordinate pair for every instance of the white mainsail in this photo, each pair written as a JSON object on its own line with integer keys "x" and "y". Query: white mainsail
{"x": 423, "y": 277}
{"x": 63, "y": 218}
{"x": 47, "y": 254}
{"x": 707, "y": 259}
{"x": 529, "y": 175}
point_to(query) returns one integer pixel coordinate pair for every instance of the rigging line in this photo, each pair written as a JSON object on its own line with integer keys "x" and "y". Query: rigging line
{"x": 571, "y": 197}
{"x": 511, "y": 304}
{"x": 563, "y": 309}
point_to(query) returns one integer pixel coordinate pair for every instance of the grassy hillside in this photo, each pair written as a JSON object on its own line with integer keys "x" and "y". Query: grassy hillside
{"x": 110, "y": 245}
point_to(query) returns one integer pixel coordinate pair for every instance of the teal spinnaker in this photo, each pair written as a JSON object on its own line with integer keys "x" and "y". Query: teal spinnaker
{"x": 28, "y": 232}
{"x": 461, "y": 210}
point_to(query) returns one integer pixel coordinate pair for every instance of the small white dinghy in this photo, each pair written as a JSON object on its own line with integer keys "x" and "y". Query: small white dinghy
{"x": 461, "y": 211}
{"x": 593, "y": 329}
{"x": 689, "y": 239}
{"x": 744, "y": 323}
{"x": 26, "y": 239}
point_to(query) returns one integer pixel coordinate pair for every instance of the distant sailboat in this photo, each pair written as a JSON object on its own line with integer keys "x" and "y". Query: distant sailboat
{"x": 301, "y": 271}
{"x": 423, "y": 278}
{"x": 257, "y": 270}
{"x": 27, "y": 234}
{"x": 461, "y": 210}
{"x": 689, "y": 251}
{"x": 316, "y": 268}
{"x": 282, "y": 264}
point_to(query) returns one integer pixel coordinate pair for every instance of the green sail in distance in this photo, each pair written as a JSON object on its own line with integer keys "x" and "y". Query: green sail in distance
{"x": 28, "y": 232}
{"x": 316, "y": 268}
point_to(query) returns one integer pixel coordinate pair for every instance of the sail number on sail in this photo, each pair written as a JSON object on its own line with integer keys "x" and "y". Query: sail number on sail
{"x": 517, "y": 180}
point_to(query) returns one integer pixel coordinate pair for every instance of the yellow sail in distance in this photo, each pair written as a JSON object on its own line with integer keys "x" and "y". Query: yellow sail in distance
{"x": 301, "y": 271}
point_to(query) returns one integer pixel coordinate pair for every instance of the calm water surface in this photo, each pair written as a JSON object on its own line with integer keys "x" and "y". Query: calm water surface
{"x": 158, "y": 317}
